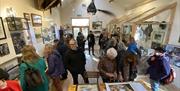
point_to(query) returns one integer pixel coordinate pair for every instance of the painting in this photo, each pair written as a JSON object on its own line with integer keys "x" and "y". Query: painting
{"x": 18, "y": 41}
{"x": 2, "y": 30}
{"x": 97, "y": 25}
{"x": 4, "y": 49}
{"x": 158, "y": 37}
{"x": 27, "y": 16}
{"x": 36, "y": 20}
{"x": 88, "y": 87}
{"x": 38, "y": 34}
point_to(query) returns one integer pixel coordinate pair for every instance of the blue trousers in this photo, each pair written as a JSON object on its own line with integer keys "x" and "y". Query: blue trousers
{"x": 154, "y": 85}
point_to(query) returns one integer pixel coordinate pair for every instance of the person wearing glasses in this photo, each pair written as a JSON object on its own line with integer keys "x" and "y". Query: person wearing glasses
{"x": 75, "y": 62}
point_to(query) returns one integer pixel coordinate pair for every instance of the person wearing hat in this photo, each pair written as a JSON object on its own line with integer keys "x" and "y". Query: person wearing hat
{"x": 107, "y": 66}
{"x": 159, "y": 68}
{"x": 8, "y": 85}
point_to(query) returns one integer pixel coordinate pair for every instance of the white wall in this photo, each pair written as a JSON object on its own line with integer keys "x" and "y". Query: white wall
{"x": 75, "y": 8}
{"x": 175, "y": 34}
{"x": 20, "y": 7}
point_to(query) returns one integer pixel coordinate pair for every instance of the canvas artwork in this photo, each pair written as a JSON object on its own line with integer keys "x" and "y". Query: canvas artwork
{"x": 36, "y": 19}
{"x": 27, "y": 16}
{"x": 88, "y": 87}
{"x": 4, "y": 49}
{"x": 18, "y": 41}
{"x": 38, "y": 35}
{"x": 158, "y": 37}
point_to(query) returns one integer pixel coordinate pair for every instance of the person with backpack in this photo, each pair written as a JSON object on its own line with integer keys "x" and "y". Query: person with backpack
{"x": 32, "y": 71}
{"x": 55, "y": 65}
{"x": 159, "y": 68}
{"x": 6, "y": 84}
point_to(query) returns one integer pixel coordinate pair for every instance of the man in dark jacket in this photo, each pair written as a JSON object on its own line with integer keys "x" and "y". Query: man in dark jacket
{"x": 91, "y": 41}
{"x": 75, "y": 61}
{"x": 81, "y": 41}
{"x": 159, "y": 68}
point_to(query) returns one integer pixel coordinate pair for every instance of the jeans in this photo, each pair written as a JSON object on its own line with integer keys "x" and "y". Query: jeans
{"x": 154, "y": 85}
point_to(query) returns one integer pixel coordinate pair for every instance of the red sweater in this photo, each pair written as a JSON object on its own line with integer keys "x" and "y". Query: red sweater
{"x": 12, "y": 86}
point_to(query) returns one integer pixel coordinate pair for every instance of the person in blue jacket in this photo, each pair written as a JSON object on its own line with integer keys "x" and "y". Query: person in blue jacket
{"x": 55, "y": 65}
{"x": 159, "y": 68}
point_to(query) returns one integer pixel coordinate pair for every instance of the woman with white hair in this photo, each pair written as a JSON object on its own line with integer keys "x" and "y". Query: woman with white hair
{"x": 107, "y": 66}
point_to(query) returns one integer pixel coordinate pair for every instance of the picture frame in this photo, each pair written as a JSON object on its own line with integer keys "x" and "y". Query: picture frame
{"x": 87, "y": 87}
{"x": 17, "y": 23}
{"x": 4, "y": 49}
{"x": 18, "y": 41}
{"x": 158, "y": 36}
{"x": 36, "y": 19}
{"x": 27, "y": 16}
{"x": 97, "y": 25}
{"x": 2, "y": 30}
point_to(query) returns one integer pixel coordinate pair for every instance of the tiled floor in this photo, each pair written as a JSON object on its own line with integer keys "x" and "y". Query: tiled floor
{"x": 91, "y": 65}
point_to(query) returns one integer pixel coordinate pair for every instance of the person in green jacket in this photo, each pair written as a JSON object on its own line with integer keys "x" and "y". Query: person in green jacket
{"x": 30, "y": 56}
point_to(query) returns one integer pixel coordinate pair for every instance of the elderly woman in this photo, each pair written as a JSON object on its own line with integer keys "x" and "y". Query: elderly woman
{"x": 32, "y": 60}
{"x": 107, "y": 66}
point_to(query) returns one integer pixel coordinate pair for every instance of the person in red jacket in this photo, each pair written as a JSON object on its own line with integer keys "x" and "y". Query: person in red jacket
{"x": 8, "y": 85}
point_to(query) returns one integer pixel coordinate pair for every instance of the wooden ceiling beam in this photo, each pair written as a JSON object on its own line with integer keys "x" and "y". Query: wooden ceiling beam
{"x": 156, "y": 12}
{"x": 139, "y": 4}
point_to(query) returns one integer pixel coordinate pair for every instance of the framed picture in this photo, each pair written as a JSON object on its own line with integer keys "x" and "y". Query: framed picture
{"x": 27, "y": 16}
{"x": 4, "y": 49}
{"x": 155, "y": 45}
{"x": 36, "y": 20}
{"x": 18, "y": 41}
{"x": 87, "y": 87}
{"x": 2, "y": 30}
{"x": 97, "y": 25}
{"x": 158, "y": 37}
{"x": 17, "y": 23}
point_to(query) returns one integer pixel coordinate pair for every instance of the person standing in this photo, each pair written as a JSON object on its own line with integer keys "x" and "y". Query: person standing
{"x": 32, "y": 59}
{"x": 75, "y": 61}
{"x": 55, "y": 65}
{"x": 91, "y": 42}
{"x": 159, "y": 68}
{"x": 81, "y": 41}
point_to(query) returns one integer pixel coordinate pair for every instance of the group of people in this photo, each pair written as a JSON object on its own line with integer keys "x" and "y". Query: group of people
{"x": 118, "y": 62}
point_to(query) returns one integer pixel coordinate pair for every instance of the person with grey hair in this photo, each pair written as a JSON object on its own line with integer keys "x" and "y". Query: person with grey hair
{"x": 107, "y": 66}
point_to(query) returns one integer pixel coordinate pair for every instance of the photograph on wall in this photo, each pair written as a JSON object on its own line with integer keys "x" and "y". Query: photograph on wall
{"x": 2, "y": 30}
{"x": 4, "y": 49}
{"x": 155, "y": 45}
{"x": 97, "y": 25}
{"x": 158, "y": 37}
{"x": 88, "y": 87}
{"x": 27, "y": 16}
{"x": 18, "y": 41}
{"x": 17, "y": 23}
{"x": 36, "y": 20}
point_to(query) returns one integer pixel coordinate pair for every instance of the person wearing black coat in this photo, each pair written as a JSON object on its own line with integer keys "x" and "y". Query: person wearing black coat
{"x": 75, "y": 61}
{"x": 91, "y": 41}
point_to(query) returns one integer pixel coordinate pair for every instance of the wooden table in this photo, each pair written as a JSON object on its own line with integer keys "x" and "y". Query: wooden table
{"x": 102, "y": 86}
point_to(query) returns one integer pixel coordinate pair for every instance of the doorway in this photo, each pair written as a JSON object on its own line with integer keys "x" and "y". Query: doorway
{"x": 83, "y": 30}
{"x": 80, "y": 25}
